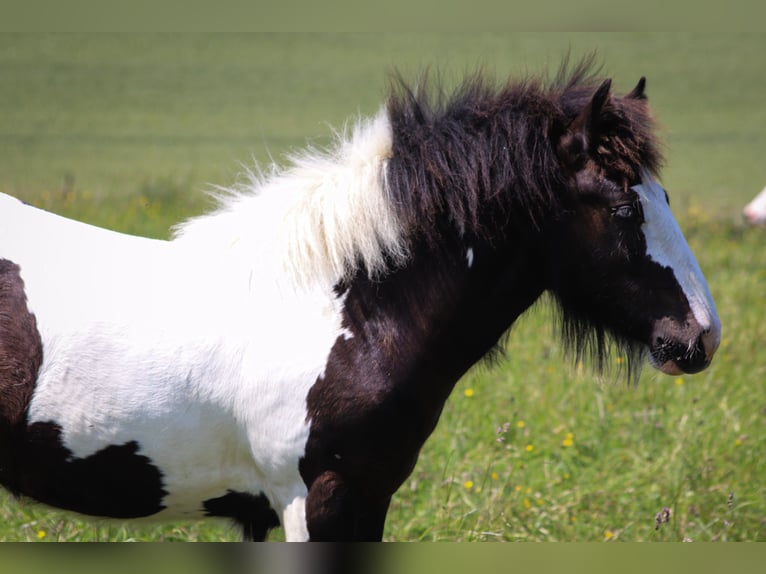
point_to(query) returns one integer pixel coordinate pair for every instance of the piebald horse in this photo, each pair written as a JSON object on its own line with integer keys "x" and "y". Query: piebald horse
{"x": 283, "y": 359}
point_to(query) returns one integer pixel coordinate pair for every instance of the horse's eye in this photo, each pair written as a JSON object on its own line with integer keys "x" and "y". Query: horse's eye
{"x": 628, "y": 211}
{"x": 624, "y": 212}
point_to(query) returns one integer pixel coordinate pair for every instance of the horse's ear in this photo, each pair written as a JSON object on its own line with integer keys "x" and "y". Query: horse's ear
{"x": 639, "y": 92}
{"x": 574, "y": 144}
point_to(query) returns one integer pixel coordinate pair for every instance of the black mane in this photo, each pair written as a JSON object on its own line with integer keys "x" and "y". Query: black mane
{"x": 486, "y": 156}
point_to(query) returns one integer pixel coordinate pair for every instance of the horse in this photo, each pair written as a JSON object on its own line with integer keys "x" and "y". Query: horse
{"x": 282, "y": 359}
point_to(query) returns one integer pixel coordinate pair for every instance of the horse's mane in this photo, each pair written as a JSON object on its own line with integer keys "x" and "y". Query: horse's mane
{"x": 477, "y": 160}
{"x": 485, "y": 156}
{"x": 321, "y": 218}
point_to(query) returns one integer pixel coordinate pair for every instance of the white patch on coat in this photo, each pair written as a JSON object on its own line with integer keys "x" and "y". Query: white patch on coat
{"x": 326, "y": 214}
{"x": 667, "y": 246}
{"x": 203, "y": 349}
{"x": 469, "y": 257}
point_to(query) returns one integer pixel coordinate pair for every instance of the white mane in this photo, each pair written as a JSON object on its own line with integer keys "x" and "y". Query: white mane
{"x": 321, "y": 218}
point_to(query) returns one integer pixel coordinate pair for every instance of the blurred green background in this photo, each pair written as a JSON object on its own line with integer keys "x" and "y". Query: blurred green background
{"x": 114, "y": 115}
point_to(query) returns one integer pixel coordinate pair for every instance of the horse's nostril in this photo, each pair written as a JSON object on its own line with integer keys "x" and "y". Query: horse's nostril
{"x": 694, "y": 358}
{"x": 709, "y": 341}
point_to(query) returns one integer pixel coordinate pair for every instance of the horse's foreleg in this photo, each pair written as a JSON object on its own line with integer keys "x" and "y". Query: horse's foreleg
{"x": 294, "y": 520}
{"x": 335, "y": 512}
{"x": 371, "y": 518}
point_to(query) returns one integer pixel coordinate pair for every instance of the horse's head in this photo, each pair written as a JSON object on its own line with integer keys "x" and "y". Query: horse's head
{"x": 622, "y": 265}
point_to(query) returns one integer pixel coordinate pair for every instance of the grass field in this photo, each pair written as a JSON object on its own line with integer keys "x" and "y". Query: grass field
{"x": 128, "y": 131}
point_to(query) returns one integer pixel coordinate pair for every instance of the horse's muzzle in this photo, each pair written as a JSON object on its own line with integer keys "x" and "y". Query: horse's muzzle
{"x": 674, "y": 357}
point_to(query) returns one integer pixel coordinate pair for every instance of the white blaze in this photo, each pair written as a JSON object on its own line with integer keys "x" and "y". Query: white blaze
{"x": 666, "y": 245}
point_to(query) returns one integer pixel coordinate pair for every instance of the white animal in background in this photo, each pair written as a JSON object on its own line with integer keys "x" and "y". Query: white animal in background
{"x": 755, "y": 211}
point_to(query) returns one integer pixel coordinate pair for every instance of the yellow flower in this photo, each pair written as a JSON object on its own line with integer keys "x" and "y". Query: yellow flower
{"x": 568, "y": 440}
{"x": 518, "y": 488}
{"x": 530, "y": 447}
{"x": 679, "y": 381}
{"x": 41, "y": 534}
{"x": 527, "y": 504}
{"x": 608, "y": 535}
{"x": 494, "y": 476}
{"x": 468, "y": 484}
{"x": 468, "y": 393}
{"x": 620, "y": 360}
{"x": 520, "y": 424}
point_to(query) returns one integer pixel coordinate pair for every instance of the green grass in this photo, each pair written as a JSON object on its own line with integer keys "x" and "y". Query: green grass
{"x": 127, "y": 132}
{"x": 693, "y": 444}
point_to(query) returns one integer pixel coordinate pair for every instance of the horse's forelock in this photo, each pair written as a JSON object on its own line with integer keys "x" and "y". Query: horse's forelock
{"x": 626, "y": 130}
{"x": 473, "y": 160}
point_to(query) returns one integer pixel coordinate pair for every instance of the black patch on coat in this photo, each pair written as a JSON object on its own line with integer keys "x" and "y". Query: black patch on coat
{"x": 114, "y": 482}
{"x": 415, "y": 332}
{"x": 21, "y": 350}
{"x": 251, "y": 512}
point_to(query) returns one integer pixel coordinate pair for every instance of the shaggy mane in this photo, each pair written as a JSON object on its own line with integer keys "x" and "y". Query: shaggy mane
{"x": 321, "y": 218}
{"x": 485, "y": 156}
{"x": 480, "y": 161}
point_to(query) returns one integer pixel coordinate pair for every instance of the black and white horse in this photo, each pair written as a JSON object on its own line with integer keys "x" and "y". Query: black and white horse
{"x": 283, "y": 359}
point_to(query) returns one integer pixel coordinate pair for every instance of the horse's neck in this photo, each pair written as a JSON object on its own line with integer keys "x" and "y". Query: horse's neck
{"x": 436, "y": 317}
